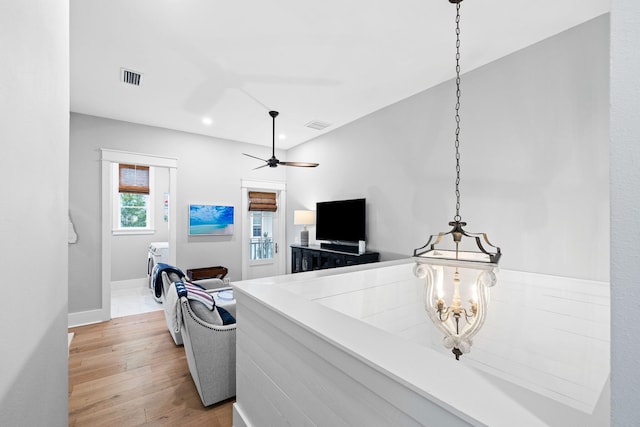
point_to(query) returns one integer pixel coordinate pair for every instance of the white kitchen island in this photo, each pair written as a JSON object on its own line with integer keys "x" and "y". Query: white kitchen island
{"x": 354, "y": 347}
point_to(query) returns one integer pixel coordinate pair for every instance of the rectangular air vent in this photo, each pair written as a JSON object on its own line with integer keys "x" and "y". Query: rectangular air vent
{"x": 317, "y": 124}
{"x": 130, "y": 77}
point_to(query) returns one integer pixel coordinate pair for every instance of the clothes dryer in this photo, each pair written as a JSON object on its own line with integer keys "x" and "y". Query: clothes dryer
{"x": 158, "y": 252}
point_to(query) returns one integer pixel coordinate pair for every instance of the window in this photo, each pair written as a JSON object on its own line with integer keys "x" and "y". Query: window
{"x": 256, "y": 222}
{"x": 261, "y": 241}
{"x": 133, "y": 210}
{"x": 133, "y": 202}
{"x": 262, "y": 206}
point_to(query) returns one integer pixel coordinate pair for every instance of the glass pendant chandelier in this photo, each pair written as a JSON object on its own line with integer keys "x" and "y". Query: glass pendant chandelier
{"x": 458, "y": 267}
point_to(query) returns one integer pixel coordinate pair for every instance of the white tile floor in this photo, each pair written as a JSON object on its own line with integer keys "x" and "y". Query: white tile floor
{"x": 131, "y": 299}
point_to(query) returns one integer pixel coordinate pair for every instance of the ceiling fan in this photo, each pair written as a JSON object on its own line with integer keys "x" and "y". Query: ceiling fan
{"x": 273, "y": 162}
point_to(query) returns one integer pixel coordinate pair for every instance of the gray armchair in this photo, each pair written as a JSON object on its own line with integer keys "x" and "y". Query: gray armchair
{"x": 169, "y": 307}
{"x": 211, "y": 353}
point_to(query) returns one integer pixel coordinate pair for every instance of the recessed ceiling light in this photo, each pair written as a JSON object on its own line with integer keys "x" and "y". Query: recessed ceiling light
{"x": 207, "y": 121}
{"x": 282, "y": 137}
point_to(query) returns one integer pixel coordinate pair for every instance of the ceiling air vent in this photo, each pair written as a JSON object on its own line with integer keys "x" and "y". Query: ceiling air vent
{"x": 317, "y": 125}
{"x": 130, "y": 77}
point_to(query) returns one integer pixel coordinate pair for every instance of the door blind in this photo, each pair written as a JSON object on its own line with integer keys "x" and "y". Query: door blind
{"x": 261, "y": 201}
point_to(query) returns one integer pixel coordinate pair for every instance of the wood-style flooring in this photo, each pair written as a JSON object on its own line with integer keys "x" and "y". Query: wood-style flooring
{"x": 128, "y": 372}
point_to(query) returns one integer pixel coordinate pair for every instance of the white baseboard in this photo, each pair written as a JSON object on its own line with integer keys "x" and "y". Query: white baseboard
{"x": 102, "y": 315}
{"x": 130, "y": 284}
{"x": 85, "y": 318}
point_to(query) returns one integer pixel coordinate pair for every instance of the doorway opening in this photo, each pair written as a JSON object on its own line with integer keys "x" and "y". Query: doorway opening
{"x": 110, "y": 158}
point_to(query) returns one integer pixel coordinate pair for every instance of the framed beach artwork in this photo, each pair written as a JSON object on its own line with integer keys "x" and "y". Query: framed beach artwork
{"x": 210, "y": 220}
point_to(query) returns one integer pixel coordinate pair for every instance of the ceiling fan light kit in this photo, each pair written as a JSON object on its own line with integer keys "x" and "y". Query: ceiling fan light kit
{"x": 458, "y": 267}
{"x": 273, "y": 161}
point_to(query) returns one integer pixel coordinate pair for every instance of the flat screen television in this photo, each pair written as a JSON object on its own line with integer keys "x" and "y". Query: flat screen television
{"x": 341, "y": 220}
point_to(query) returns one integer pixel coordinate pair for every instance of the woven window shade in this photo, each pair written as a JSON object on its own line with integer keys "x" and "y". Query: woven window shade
{"x": 134, "y": 179}
{"x": 259, "y": 201}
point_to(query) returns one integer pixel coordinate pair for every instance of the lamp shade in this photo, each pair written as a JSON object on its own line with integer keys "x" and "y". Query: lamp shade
{"x": 304, "y": 217}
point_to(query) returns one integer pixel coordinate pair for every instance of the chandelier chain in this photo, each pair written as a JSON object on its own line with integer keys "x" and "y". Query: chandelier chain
{"x": 457, "y": 218}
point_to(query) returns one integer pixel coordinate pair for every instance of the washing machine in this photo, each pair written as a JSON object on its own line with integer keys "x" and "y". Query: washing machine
{"x": 158, "y": 252}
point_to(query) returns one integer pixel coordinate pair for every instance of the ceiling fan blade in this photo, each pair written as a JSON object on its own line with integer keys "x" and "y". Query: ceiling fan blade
{"x": 299, "y": 164}
{"x": 249, "y": 155}
{"x": 260, "y": 167}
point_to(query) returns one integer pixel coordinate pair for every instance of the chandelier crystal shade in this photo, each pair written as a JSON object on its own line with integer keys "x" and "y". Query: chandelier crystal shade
{"x": 458, "y": 267}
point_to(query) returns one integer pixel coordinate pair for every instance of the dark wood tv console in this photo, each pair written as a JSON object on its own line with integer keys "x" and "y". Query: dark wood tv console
{"x": 307, "y": 258}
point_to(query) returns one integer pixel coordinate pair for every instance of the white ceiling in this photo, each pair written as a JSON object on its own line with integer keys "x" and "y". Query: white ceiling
{"x": 333, "y": 61}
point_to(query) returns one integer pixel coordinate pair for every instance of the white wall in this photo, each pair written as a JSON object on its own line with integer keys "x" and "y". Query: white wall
{"x": 625, "y": 210}
{"x": 534, "y": 147}
{"x": 209, "y": 171}
{"x": 34, "y": 130}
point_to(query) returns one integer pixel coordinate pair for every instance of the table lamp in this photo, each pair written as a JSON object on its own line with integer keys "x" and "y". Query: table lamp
{"x": 304, "y": 218}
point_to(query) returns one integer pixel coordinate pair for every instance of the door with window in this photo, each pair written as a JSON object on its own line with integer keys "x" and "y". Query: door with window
{"x": 263, "y": 234}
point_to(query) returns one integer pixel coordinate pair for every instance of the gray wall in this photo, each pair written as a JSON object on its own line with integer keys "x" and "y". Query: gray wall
{"x": 34, "y": 130}
{"x": 534, "y": 147}
{"x": 209, "y": 171}
{"x": 129, "y": 252}
{"x": 41, "y": 353}
{"x": 625, "y": 210}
